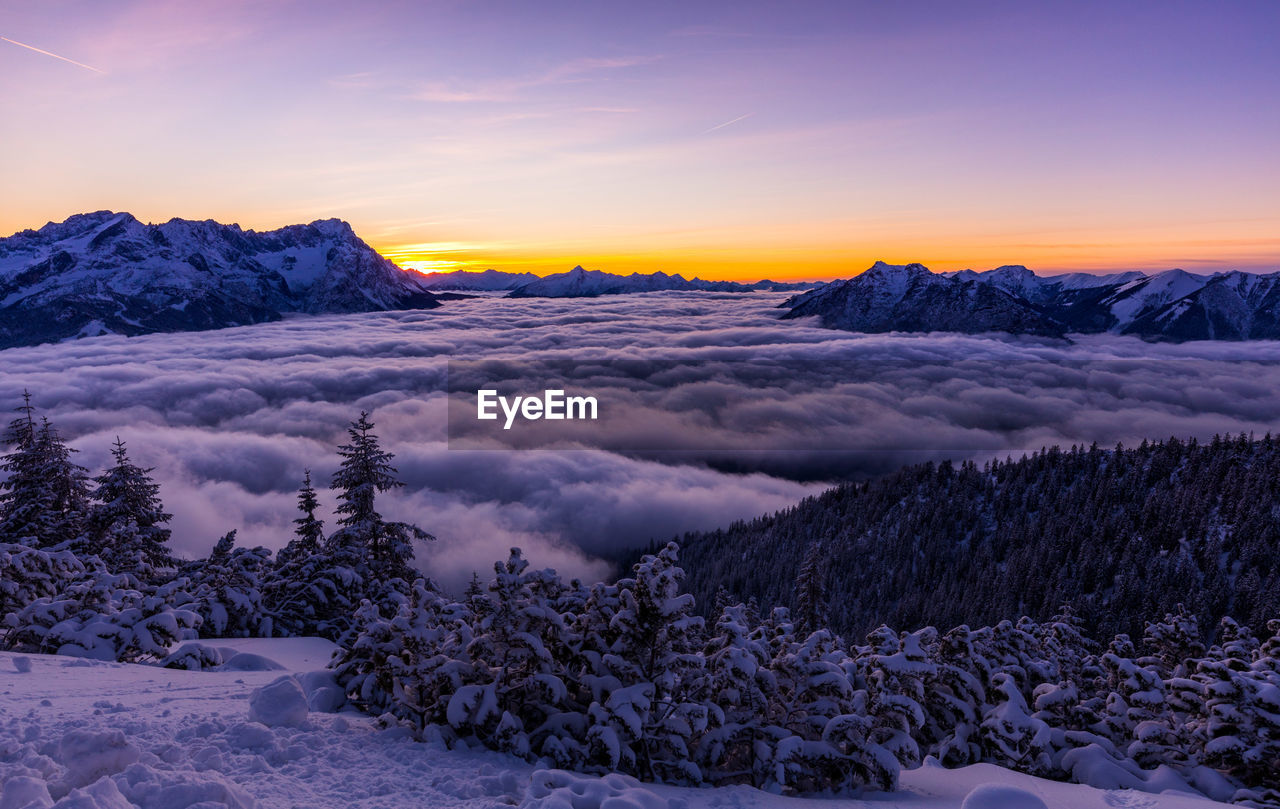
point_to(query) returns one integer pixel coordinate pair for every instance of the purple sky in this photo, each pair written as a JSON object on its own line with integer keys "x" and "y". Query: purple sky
{"x": 721, "y": 139}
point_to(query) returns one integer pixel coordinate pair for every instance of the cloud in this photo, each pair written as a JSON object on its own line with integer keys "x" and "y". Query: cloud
{"x": 719, "y": 412}
{"x": 728, "y": 123}
{"x": 54, "y": 55}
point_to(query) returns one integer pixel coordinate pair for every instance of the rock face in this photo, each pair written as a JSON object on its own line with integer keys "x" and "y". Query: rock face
{"x": 1172, "y": 305}
{"x": 108, "y": 273}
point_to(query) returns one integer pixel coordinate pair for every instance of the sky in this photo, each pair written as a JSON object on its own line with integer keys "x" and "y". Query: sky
{"x": 726, "y": 140}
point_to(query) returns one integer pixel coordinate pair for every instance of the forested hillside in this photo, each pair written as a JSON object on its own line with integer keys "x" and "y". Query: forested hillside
{"x": 1119, "y": 535}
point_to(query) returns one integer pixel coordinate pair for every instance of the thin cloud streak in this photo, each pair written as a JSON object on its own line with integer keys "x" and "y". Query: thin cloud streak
{"x": 728, "y": 123}
{"x": 54, "y": 55}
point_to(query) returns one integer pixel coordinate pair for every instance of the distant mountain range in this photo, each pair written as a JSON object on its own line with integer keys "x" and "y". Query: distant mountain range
{"x": 1172, "y": 305}
{"x": 469, "y": 281}
{"x": 108, "y": 273}
{"x": 580, "y": 283}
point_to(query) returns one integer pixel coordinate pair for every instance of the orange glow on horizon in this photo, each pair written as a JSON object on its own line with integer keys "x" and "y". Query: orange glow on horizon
{"x": 823, "y": 263}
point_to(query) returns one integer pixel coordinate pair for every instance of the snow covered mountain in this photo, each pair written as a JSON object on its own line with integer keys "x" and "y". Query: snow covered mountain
{"x": 106, "y": 272}
{"x": 487, "y": 281}
{"x": 580, "y": 283}
{"x": 1171, "y": 305}
{"x": 911, "y": 298}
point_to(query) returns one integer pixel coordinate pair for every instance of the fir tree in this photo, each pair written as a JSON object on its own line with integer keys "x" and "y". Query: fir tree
{"x": 811, "y": 592}
{"x": 366, "y": 471}
{"x": 127, "y": 521}
{"x": 23, "y": 494}
{"x": 308, "y": 528}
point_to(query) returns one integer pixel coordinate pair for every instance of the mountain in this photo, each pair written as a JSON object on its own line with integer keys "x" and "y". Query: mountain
{"x": 108, "y": 273}
{"x": 1171, "y": 305}
{"x": 487, "y": 281}
{"x": 911, "y": 298}
{"x": 1119, "y": 535}
{"x": 580, "y": 283}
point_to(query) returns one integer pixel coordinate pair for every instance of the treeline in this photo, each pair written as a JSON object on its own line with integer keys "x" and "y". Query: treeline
{"x": 1121, "y": 535}
{"x": 625, "y": 677}
{"x": 85, "y": 565}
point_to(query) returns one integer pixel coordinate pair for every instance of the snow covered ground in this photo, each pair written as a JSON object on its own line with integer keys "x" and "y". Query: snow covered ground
{"x": 83, "y": 734}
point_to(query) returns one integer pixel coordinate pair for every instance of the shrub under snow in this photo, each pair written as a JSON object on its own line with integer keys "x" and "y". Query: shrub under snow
{"x": 625, "y": 678}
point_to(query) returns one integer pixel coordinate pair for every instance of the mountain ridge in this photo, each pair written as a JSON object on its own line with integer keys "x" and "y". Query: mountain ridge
{"x": 583, "y": 283}
{"x": 1173, "y": 305}
{"x": 107, "y": 272}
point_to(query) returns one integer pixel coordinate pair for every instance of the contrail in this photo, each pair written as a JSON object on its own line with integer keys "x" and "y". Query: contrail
{"x": 726, "y": 123}
{"x": 54, "y": 55}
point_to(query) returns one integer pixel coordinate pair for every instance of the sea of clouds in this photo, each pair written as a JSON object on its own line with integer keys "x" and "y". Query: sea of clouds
{"x": 716, "y": 411}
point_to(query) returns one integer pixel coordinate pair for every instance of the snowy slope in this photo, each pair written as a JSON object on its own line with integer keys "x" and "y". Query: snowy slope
{"x": 1173, "y": 305}
{"x": 107, "y": 272}
{"x": 95, "y": 735}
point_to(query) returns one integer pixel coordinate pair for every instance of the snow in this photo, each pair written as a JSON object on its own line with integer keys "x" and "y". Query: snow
{"x": 1001, "y": 796}
{"x": 279, "y": 704}
{"x": 1152, "y": 292}
{"x": 86, "y": 734}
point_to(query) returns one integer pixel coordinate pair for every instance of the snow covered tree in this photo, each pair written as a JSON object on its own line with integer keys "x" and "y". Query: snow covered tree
{"x": 655, "y": 659}
{"x": 1009, "y": 735}
{"x": 828, "y": 744}
{"x": 44, "y": 498}
{"x": 316, "y": 587}
{"x": 126, "y": 523}
{"x": 955, "y": 698}
{"x": 315, "y": 595}
{"x": 22, "y": 491}
{"x": 518, "y": 650}
{"x": 1138, "y": 715}
{"x": 226, "y": 591}
{"x": 738, "y": 746}
{"x": 1063, "y": 641}
{"x": 29, "y": 574}
{"x": 1173, "y": 642}
{"x": 102, "y": 616}
{"x": 896, "y": 683}
{"x": 366, "y": 471}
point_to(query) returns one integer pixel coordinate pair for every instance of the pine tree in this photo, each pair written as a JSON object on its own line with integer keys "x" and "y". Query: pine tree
{"x": 126, "y": 523}
{"x": 366, "y": 471}
{"x": 23, "y": 494}
{"x": 810, "y": 610}
{"x": 308, "y": 528}
{"x": 45, "y": 500}
{"x": 308, "y": 591}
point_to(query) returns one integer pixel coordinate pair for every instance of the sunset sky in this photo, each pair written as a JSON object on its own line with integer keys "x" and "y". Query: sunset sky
{"x": 727, "y": 140}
